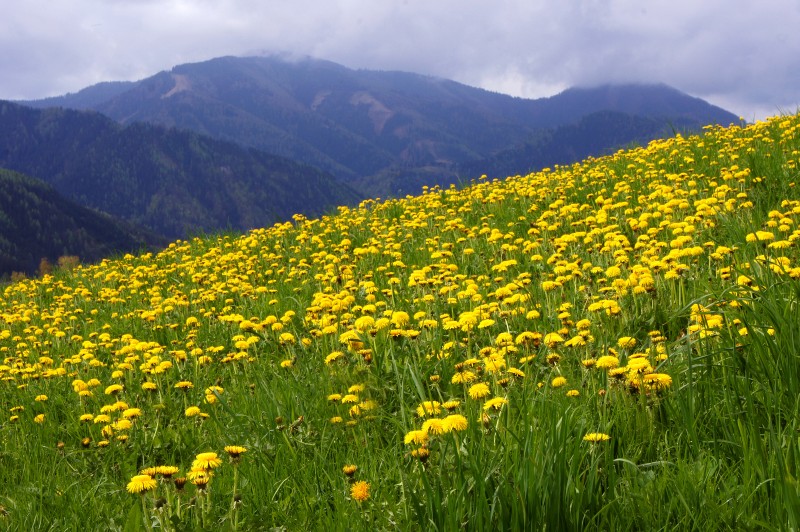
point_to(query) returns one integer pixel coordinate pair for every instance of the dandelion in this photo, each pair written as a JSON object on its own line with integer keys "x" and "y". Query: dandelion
{"x": 626, "y": 342}
{"x": 495, "y": 403}
{"x": 333, "y": 357}
{"x": 421, "y": 454}
{"x": 451, "y": 405}
{"x": 456, "y": 422}
{"x": 607, "y": 362}
{"x": 595, "y": 437}
{"x": 206, "y": 461}
{"x": 141, "y": 484}
{"x": 200, "y": 478}
{"x": 360, "y": 490}
{"x": 349, "y": 470}
{"x": 131, "y": 413}
{"x": 435, "y": 426}
{"x": 463, "y": 377}
{"x": 114, "y": 389}
{"x": 166, "y": 471}
{"x": 122, "y": 424}
{"x": 558, "y": 382}
{"x": 417, "y": 437}
{"x": 552, "y": 339}
{"x": 235, "y": 451}
{"x": 427, "y": 408}
{"x": 479, "y": 391}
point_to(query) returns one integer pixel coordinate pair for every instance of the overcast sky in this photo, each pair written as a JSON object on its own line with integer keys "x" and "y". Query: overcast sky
{"x": 742, "y": 55}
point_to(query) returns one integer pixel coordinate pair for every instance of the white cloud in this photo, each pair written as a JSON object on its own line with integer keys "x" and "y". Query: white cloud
{"x": 747, "y": 55}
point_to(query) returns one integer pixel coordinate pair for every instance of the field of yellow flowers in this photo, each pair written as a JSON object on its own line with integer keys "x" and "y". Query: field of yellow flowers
{"x": 608, "y": 345}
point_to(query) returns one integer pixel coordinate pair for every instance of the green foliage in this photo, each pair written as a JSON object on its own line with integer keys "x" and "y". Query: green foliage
{"x": 40, "y": 228}
{"x": 168, "y": 181}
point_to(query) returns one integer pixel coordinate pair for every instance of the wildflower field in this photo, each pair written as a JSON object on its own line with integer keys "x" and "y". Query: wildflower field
{"x": 609, "y": 345}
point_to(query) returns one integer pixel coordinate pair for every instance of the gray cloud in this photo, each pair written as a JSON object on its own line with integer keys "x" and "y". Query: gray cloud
{"x": 744, "y": 56}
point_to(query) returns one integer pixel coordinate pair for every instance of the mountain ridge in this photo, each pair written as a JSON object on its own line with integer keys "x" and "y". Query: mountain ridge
{"x": 170, "y": 181}
{"x": 36, "y": 222}
{"x": 362, "y": 125}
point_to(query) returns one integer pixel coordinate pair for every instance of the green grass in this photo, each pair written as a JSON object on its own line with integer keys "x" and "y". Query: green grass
{"x": 650, "y": 256}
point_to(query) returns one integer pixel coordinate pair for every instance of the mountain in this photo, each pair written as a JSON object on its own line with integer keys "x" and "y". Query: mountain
{"x": 36, "y": 222}
{"x": 84, "y": 99}
{"x": 172, "y": 182}
{"x": 595, "y": 134}
{"x": 385, "y": 130}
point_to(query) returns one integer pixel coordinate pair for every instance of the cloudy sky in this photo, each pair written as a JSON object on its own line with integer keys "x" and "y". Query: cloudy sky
{"x": 744, "y": 55}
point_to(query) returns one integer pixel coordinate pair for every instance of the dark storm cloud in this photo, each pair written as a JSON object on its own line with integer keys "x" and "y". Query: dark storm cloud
{"x": 744, "y": 56}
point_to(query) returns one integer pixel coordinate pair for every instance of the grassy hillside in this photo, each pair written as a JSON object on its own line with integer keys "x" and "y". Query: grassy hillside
{"x": 608, "y": 345}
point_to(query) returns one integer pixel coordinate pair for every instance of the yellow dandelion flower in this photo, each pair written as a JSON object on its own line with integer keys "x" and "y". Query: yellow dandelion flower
{"x": 427, "y": 408}
{"x": 206, "y": 461}
{"x": 417, "y": 437}
{"x": 456, "y": 422}
{"x": 166, "y": 471}
{"x": 495, "y": 403}
{"x": 479, "y": 391}
{"x": 334, "y": 356}
{"x": 360, "y": 490}
{"x": 607, "y": 362}
{"x": 141, "y": 483}
{"x": 234, "y": 451}
{"x": 451, "y": 405}
{"x": 435, "y": 426}
{"x": 558, "y": 382}
{"x": 595, "y": 437}
{"x": 114, "y": 389}
{"x": 552, "y": 339}
{"x": 463, "y": 377}
{"x": 122, "y": 424}
{"x": 626, "y": 342}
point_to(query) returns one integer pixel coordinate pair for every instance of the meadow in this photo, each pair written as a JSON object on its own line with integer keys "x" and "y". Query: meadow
{"x": 608, "y": 345}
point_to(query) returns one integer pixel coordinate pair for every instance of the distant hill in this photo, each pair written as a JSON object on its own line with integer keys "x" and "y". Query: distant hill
{"x": 386, "y": 131}
{"x": 36, "y": 222}
{"x": 174, "y": 183}
{"x": 596, "y": 134}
